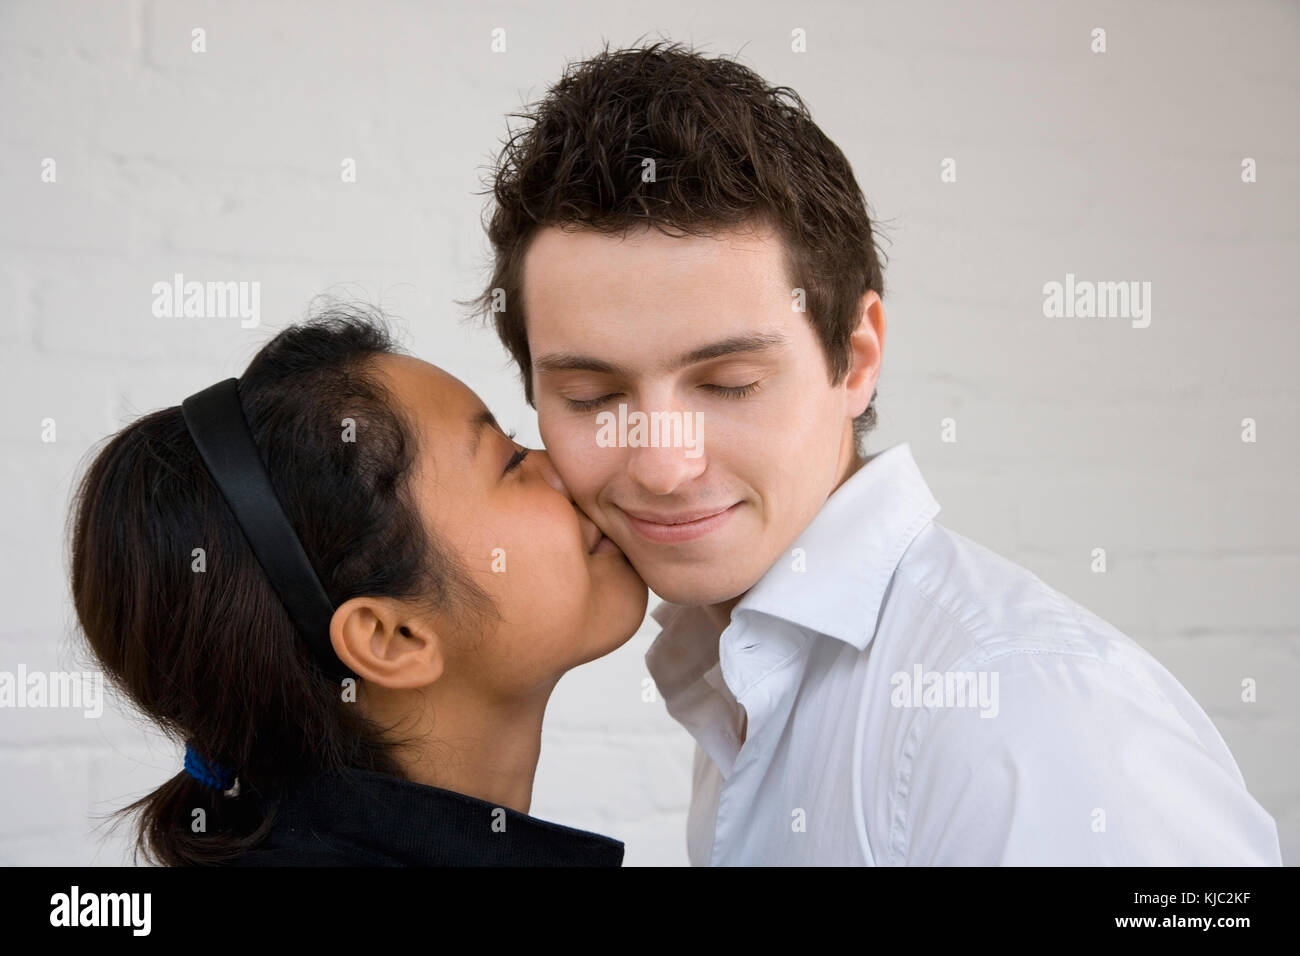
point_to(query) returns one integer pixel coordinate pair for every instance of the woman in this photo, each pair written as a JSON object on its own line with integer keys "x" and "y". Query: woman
{"x": 364, "y": 682}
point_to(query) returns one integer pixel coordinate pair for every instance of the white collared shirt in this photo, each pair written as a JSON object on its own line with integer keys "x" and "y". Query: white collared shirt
{"x": 912, "y": 698}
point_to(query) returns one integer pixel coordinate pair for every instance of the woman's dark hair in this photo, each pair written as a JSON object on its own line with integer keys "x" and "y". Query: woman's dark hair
{"x": 729, "y": 149}
{"x": 210, "y": 654}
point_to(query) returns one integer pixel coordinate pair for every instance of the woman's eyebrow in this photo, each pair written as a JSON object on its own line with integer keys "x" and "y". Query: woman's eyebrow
{"x": 574, "y": 362}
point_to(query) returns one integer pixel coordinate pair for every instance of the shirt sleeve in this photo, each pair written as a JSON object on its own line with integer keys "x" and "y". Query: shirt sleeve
{"x": 1082, "y": 763}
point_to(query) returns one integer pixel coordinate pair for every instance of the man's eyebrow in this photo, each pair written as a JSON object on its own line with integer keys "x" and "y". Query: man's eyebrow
{"x": 750, "y": 342}
{"x": 482, "y": 420}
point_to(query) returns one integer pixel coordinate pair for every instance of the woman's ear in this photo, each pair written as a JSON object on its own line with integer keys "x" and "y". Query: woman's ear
{"x": 866, "y": 349}
{"x": 386, "y": 644}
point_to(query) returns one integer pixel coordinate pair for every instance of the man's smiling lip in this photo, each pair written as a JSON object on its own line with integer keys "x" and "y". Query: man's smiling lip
{"x": 684, "y": 526}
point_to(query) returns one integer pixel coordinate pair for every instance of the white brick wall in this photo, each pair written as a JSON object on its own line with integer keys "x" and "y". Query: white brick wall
{"x": 1072, "y": 434}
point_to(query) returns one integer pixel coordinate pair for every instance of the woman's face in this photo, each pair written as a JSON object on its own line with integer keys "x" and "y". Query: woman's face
{"x": 565, "y": 594}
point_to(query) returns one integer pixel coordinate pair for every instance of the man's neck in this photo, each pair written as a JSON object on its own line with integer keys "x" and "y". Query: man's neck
{"x": 720, "y": 614}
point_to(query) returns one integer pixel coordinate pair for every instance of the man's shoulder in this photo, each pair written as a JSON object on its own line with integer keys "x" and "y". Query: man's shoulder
{"x": 961, "y": 609}
{"x": 966, "y": 605}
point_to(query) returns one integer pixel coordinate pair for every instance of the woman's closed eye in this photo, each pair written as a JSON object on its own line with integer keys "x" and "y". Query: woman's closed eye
{"x": 516, "y": 459}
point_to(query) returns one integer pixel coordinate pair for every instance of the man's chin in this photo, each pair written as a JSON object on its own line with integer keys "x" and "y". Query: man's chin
{"x": 697, "y": 593}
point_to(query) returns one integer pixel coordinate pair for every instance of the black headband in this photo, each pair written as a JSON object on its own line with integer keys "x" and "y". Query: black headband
{"x": 217, "y": 424}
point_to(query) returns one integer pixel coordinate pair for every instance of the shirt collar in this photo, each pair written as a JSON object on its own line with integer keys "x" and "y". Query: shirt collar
{"x": 833, "y": 580}
{"x": 849, "y": 551}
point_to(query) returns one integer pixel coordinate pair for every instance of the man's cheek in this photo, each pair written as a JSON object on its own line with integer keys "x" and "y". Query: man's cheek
{"x": 566, "y": 451}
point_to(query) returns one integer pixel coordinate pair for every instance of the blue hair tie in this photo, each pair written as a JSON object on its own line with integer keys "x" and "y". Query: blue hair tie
{"x": 210, "y": 774}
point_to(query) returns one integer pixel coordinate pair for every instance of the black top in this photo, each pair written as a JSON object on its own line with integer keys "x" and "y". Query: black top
{"x": 363, "y": 818}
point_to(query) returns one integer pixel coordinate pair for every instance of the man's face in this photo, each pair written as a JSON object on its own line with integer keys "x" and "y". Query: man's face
{"x": 702, "y": 327}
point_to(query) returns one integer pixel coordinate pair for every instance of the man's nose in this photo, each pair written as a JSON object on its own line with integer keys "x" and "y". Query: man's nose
{"x": 662, "y": 470}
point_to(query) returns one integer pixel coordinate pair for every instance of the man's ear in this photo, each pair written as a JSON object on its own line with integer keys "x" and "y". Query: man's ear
{"x": 866, "y": 350}
{"x": 386, "y": 644}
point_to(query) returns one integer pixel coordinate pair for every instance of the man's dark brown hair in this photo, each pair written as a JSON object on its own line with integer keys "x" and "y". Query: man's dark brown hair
{"x": 729, "y": 151}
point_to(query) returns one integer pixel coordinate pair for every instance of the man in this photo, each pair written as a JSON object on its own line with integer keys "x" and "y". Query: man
{"x": 677, "y": 241}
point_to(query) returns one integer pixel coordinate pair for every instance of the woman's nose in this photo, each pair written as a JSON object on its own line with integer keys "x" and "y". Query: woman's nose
{"x": 542, "y": 462}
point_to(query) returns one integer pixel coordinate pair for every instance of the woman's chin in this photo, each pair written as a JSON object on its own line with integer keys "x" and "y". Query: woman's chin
{"x": 619, "y": 614}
